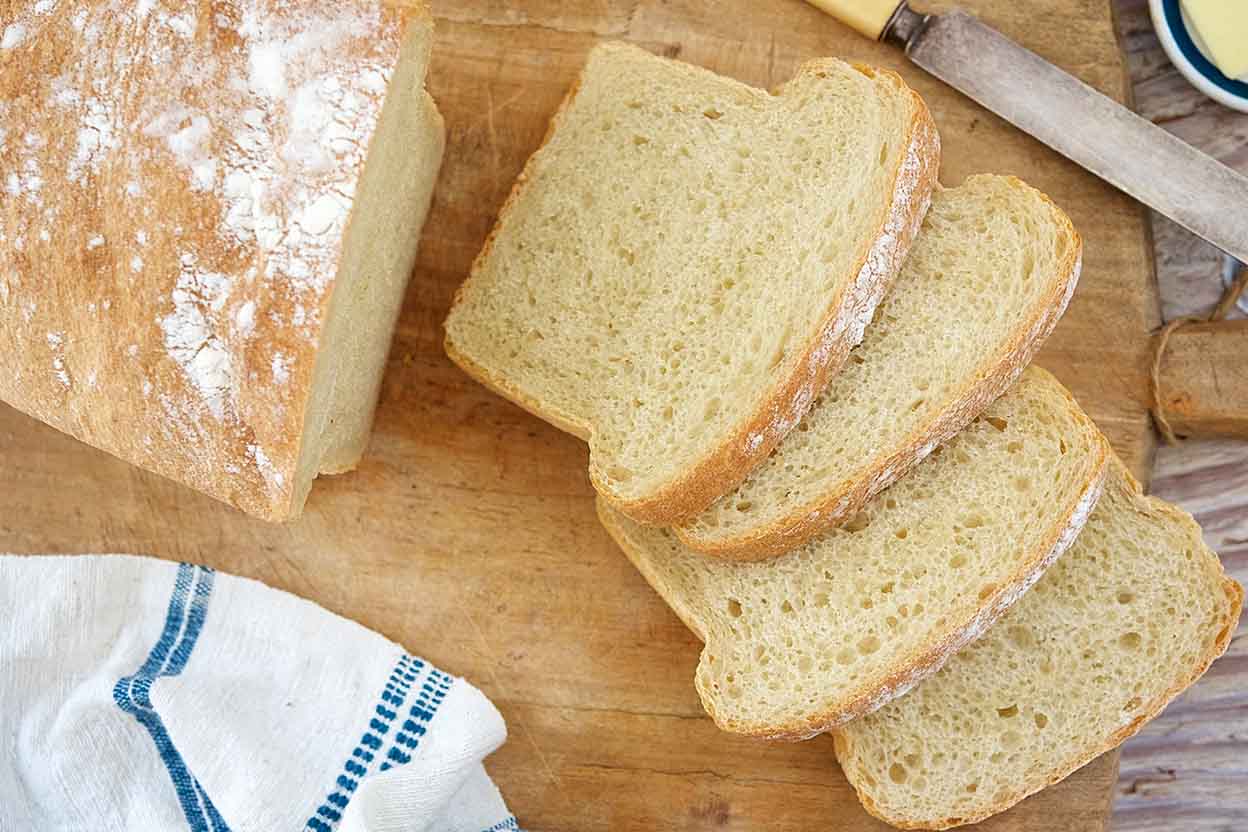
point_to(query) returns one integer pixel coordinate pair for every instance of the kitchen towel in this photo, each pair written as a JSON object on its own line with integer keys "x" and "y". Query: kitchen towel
{"x": 137, "y": 694}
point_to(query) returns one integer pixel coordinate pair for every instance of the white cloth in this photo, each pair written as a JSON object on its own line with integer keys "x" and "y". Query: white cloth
{"x": 137, "y": 694}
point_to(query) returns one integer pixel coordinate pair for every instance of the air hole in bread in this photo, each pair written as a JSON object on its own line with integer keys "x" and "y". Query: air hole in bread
{"x": 998, "y": 423}
{"x": 902, "y": 534}
{"x": 712, "y": 114}
{"x": 1041, "y": 720}
{"x": 1008, "y": 712}
{"x": 1125, "y": 596}
{"x": 987, "y": 591}
{"x": 868, "y": 645}
{"x": 734, "y": 607}
{"x": 1029, "y": 265}
{"x": 1130, "y": 641}
{"x": 858, "y": 522}
{"x": 897, "y": 773}
{"x": 1021, "y": 637}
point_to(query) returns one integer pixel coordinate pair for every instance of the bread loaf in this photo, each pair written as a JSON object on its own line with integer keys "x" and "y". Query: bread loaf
{"x": 1123, "y": 623}
{"x": 210, "y": 214}
{"x": 687, "y": 260}
{"x": 839, "y": 626}
{"x": 984, "y": 285}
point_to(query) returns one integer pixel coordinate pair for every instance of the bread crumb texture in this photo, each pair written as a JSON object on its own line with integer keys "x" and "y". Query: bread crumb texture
{"x": 178, "y": 178}
{"x": 687, "y": 257}
{"x": 984, "y": 284}
{"x": 841, "y": 625}
{"x": 1128, "y": 618}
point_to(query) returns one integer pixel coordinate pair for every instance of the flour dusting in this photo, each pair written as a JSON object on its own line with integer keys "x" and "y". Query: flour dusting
{"x": 13, "y": 37}
{"x": 190, "y": 168}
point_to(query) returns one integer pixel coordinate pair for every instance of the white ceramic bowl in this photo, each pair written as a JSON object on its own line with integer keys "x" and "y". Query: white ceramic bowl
{"x": 1183, "y": 47}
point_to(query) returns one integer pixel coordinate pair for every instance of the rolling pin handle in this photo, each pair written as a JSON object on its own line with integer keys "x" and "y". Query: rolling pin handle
{"x": 877, "y": 19}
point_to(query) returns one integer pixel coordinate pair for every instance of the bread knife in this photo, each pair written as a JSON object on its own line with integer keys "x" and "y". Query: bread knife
{"x": 1131, "y": 153}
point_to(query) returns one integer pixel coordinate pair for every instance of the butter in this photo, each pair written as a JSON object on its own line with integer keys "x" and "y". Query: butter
{"x": 1222, "y": 27}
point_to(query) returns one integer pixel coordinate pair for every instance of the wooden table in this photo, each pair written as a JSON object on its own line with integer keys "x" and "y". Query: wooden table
{"x": 1188, "y": 769}
{"x": 468, "y": 533}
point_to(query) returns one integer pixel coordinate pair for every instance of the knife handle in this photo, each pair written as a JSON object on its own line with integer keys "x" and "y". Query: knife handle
{"x": 870, "y": 17}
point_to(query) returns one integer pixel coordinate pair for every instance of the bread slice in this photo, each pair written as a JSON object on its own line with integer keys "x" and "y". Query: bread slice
{"x": 211, "y": 214}
{"x": 850, "y": 620}
{"x": 985, "y": 283}
{"x": 1127, "y": 619}
{"x": 686, "y": 261}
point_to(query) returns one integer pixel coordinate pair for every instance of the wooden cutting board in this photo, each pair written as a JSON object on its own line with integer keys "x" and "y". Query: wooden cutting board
{"x": 469, "y": 535}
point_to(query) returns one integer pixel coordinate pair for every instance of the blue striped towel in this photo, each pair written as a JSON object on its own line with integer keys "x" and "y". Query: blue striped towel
{"x": 137, "y": 694}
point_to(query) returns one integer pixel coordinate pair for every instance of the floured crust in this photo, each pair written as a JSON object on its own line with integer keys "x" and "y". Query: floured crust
{"x": 189, "y": 169}
{"x": 789, "y": 400}
{"x": 1094, "y": 747}
{"x": 925, "y": 659}
{"x": 989, "y": 381}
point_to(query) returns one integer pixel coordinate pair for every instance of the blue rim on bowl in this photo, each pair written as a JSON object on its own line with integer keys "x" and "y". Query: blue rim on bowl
{"x": 1190, "y": 61}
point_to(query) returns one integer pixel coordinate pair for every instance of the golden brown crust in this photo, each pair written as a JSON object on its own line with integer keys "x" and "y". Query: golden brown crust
{"x": 843, "y": 745}
{"x": 925, "y": 659}
{"x": 749, "y": 444}
{"x": 847, "y": 498}
{"x": 172, "y": 339}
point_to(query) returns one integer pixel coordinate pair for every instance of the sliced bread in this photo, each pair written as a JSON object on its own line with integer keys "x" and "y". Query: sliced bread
{"x": 686, "y": 261}
{"x": 838, "y": 627}
{"x": 985, "y": 283}
{"x": 1126, "y": 620}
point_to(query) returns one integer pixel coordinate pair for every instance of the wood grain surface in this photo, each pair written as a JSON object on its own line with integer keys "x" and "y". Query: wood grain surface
{"x": 469, "y": 533}
{"x": 1188, "y": 769}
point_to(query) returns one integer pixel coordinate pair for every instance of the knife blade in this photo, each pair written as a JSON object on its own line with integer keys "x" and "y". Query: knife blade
{"x": 1131, "y": 153}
